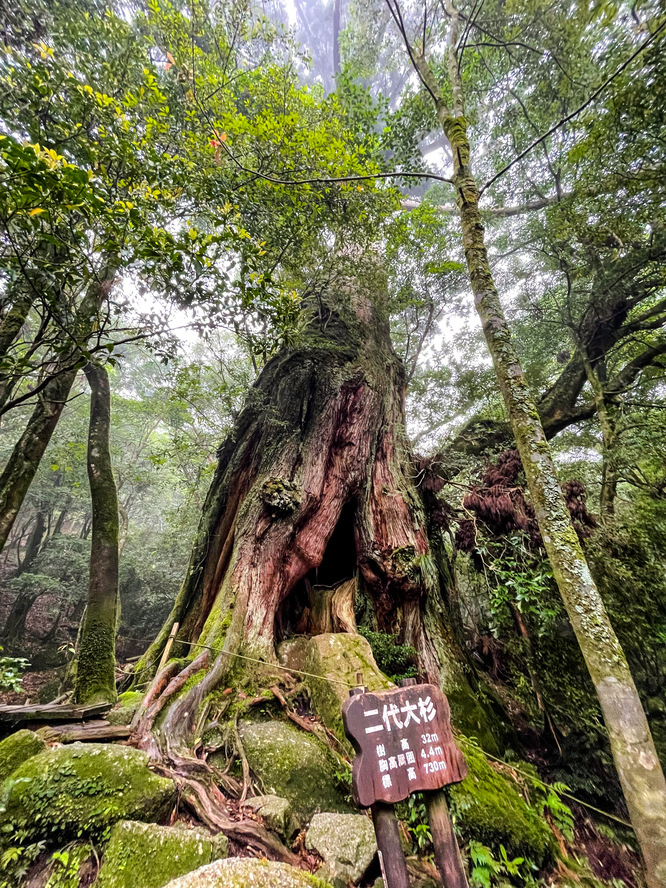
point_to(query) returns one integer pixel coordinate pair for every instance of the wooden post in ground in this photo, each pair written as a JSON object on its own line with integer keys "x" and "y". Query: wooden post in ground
{"x": 391, "y": 858}
{"x": 447, "y": 853}
{"x": 167, "y": 647}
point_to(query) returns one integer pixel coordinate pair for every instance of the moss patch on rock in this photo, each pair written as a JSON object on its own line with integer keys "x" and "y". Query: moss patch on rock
{"x": 294, "y": 765}
{"x": 123, "y": 712}
{"x": 337, "y": 658}
{"x": 242, "y": 872}
{"x": 143, "y": 855}
{"x": 82, "y": 789}
{"x": 489, "y": 808}
{"x": 16, "y": 749}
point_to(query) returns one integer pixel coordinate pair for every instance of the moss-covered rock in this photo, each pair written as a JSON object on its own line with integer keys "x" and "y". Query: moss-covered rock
{"x": 16, "y": 749}
{"x": 123, "y": 712}
{"x": 149, "y": 856}
{"x": 489, "y": 808}
{"x": 294, "y": 765}
{"x": 82, "y": 789}
{"x": 337, "y": 658}
{"x": 243, "y": 872}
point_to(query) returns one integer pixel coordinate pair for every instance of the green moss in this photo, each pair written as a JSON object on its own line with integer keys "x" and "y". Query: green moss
{"x": 16, "y": 749}
{"x": 124, "y": 710}
{"x": 149, "y": 856}
{"x": 81, "y": 789}
{"x": 488, "y": 808}
{"x": 95, "y": 668}
{"x": 337, "y": 658}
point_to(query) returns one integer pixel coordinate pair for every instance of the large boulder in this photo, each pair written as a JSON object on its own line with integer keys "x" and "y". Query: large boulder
{"x": 247, "y": 872}
{"x": 149, "y": 856}
{"x": 275, "y": 812}
{"x": 82, "y": 789}
{"x": 294, "y": 765}
{"x": 488, "y": 807}
{"x": 336, "y": 658}
{"x": 16, "y": 749}
{"x": 347, "y": 844}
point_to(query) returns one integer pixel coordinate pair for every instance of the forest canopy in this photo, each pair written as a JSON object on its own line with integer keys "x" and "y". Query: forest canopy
{"x": 333, "y": 323}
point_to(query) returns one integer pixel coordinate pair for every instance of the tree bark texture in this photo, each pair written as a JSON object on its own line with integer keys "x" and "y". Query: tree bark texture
{"x": 318, "y": 454}
{"x": 13, "y": 321}
{"x": 632, "y": 746}
{"x": 29, "y": 449}
{"x": 95, "y": 670}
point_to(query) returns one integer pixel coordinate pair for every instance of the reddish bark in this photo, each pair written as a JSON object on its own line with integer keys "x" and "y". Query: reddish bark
{"x": 320, "y": 442}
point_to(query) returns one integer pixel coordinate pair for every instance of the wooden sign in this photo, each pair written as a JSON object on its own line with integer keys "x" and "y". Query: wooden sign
{"x": 403, "y": 742}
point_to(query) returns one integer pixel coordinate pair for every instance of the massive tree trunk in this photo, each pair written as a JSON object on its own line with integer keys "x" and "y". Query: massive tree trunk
{"x": 313, "y": 486}
{"x": 95, "y": 669}
{"x": 633, "y": 749}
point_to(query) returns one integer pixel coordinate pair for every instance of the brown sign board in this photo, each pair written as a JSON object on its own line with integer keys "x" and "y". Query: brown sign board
{"x": 403, "y": 742}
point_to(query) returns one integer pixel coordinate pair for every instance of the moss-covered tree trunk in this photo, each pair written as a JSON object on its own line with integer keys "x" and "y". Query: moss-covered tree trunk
{"x": 96, "y": 664}
{"x": 27, "y": 454}
{"x": 314, "y": 485}
{"x": 14, "y": 319}
{"x": 632, "y": 746}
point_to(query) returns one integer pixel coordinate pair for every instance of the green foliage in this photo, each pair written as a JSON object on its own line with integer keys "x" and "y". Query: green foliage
{"x": 487, "y": 870}
{"x": 395, "y": 660}
{"x": 413, "y": 813}
{"x": 11, "y": 672}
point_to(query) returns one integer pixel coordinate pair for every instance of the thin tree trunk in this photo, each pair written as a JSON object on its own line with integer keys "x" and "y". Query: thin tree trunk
{"x": 13, "y": 321}
{"x": 95, "y": 670}
{"x": 607, "y": 424}
{"x": 14, "y": 628}
{"x": 632, "y": 746}
{"x": 337, "y": 24}
{"x": 34, "y": 544}
{"x": 28, "y": 451}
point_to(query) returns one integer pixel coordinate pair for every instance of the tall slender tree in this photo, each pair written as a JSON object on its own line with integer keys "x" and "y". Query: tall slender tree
{"x": 634, "y": 754}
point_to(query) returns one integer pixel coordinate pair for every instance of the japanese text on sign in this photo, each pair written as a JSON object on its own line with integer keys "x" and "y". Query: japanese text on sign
{"x": 404, "y": 743}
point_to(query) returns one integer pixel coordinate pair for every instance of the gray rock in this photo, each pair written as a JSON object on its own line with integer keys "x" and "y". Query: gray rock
{"x": 346, "y": 842}
{"x": 246, "y": 872}
{"x": 294, "y": 765}
{"x": 123, "y": 712}
{"x": 146, "y": 855}
{"x": 276, "y": 813}
{"x": 292, "y": 652}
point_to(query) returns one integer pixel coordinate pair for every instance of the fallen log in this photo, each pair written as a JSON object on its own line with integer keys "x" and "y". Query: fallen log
{"x": 52, "y": 712}
{"x": 88, "y": 732}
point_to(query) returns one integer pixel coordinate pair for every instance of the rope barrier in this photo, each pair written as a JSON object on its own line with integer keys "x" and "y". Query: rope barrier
{"x": 548, "y": 786}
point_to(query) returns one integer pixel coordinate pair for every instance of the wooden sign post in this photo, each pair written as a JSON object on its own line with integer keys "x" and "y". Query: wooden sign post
{"x": 404, "y": 744}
